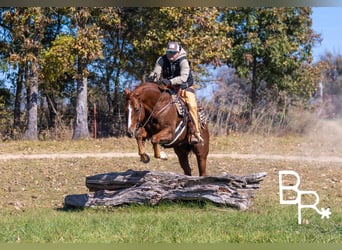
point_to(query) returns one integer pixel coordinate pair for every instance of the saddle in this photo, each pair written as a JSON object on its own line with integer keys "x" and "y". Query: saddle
{"x": 183, "y": 112}
{"x": 182, "y": 109}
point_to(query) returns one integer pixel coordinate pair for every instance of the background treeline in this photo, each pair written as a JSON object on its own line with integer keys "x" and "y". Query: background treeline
{"x": 57, "y": 65}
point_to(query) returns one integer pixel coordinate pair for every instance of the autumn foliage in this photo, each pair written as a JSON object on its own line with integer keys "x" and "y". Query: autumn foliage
{"x": 58, "y": 63}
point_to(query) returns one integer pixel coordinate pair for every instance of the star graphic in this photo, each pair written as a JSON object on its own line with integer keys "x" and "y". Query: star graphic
{"x": 325, "y": 213}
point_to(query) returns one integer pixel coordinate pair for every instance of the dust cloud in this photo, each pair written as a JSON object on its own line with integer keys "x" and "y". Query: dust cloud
{"x": 324, "y": 138}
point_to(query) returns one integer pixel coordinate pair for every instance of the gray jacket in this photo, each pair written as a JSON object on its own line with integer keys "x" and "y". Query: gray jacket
{"x": 177, "y": 71}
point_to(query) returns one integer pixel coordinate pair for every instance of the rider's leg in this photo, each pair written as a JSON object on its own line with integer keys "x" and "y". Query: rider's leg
{"x": 189, "y": 98}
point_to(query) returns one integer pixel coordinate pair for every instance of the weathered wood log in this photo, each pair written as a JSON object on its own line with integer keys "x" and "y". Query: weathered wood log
{"x": 148, "y": 187}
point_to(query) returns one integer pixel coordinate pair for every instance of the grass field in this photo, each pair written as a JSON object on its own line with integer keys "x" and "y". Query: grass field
{"x": 32, "y": 194}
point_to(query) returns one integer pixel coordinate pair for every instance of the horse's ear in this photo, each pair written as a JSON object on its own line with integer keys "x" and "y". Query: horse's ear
{"x": 127, "y": 91}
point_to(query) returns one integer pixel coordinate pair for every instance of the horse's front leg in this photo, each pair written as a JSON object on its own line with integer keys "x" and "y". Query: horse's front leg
{"x": 141, "y": 134}
{"x": 157, "y": 153}
{"x": 164, "y": 135}
{"x": 156, "y": 150}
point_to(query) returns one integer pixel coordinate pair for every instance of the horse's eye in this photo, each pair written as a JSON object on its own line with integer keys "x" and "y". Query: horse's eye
{"x": 136, "y": 110}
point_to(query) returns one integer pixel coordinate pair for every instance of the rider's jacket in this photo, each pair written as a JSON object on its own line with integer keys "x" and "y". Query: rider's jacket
{"x": 177, "y": 71}
{"x": 171, "y": 70}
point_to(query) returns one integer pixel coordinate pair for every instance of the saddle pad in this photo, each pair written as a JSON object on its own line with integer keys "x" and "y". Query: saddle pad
{"x": 180, "y": 106}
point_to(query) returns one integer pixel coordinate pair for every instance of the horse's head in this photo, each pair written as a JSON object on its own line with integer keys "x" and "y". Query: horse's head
{"x": 134, "y": 111}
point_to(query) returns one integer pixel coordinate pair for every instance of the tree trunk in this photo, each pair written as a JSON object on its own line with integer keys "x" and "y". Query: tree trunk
{"x": 51, "y": 103}
{"x": 253, "y": 90}
{"x": 81, "y": 118}
{"x": 17, "y": 101}
{"x": 31, "y": 132}
{"x": 81, "y": 122}
{"x": 116, "y": 93}
{"x": 148, "y": 187}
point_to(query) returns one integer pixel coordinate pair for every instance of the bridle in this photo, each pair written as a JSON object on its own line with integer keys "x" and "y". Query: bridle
{"x": 139, "y": 111}
{"x": 139, "y": 121}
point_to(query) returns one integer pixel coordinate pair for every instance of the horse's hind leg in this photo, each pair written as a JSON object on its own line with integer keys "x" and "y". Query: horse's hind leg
{"x": 202, "y": 164}
{"x": 183, "y": 158}
{"x": 201, "y": 151}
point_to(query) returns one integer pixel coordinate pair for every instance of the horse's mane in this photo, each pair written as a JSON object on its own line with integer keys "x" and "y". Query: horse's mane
{"x": 144, "y": 86}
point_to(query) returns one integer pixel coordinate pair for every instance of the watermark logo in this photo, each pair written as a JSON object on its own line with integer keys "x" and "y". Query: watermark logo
{"x": 325, "y": 213}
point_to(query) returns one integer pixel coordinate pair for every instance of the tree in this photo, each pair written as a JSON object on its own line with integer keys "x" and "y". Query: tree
{"x": 271, "y": 45}
{"x": 8, "y": 46}
{"x": 26, "y": 27}
{"x": 87, "y": 48}
{"x": 135, "y": 37}
{"x": 11, "y": 48}
{"x": 58, "y": 68}
{"x": 111, "y": 21}
{"x": 54, "y": 70}
{"x": 197, "y": 29}
{"x": 63, "y": 47}
{"x": 328, "y": 98}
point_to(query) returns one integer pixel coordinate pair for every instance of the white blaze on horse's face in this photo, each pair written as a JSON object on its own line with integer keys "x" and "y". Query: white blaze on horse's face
{"x": 133, "y": 116}
{"x": 133, "y": 109}
{"x": 129, "y": 118}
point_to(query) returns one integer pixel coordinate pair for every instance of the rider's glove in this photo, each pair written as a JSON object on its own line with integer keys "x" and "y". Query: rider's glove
{"x": 150, "y": 79}
{"x": 166, "y": 81}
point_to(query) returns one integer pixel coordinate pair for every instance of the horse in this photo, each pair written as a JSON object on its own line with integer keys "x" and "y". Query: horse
{"x": 152, "y": 114}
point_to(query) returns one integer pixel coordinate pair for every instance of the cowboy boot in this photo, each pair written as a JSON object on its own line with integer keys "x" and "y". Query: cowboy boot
{"x": 191, "y": 133}
{"x": 197, "y": 138}
{"x": 195, "y": 130}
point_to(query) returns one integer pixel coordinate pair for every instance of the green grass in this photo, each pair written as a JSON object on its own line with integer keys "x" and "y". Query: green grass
{"x": 168, "y": 223}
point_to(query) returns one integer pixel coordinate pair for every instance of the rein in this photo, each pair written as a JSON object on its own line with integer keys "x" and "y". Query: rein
{"x": 153, "y": 111}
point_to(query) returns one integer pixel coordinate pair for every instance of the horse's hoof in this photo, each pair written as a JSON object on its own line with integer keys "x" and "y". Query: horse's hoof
{"x": 163, "y": 156}
{"x": 145, "y": 158}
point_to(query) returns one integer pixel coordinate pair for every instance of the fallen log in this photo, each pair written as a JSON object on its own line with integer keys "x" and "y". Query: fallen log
{"x": 149, "y": 187}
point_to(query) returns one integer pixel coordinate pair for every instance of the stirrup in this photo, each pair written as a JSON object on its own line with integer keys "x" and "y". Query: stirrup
{"x": 193, "y": 139}
{"x": 197, "y": 138}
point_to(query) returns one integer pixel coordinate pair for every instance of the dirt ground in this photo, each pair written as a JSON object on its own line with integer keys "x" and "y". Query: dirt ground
{"x": 40, "y": 174}
{"x": 321, "y": 159}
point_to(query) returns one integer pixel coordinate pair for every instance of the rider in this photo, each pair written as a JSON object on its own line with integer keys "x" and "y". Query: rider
{"x": 173, "y": 69}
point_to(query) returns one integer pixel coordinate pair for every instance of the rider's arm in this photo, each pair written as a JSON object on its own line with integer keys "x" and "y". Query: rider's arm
{"x": 184, "y": 73}
{"x": 157, "y": 71}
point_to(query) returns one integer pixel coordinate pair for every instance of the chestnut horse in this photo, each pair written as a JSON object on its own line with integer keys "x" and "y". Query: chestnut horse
{"x": 152, "y": 114}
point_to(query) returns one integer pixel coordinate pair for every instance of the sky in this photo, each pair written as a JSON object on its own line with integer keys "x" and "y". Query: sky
{"x": 327, "y": 21}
